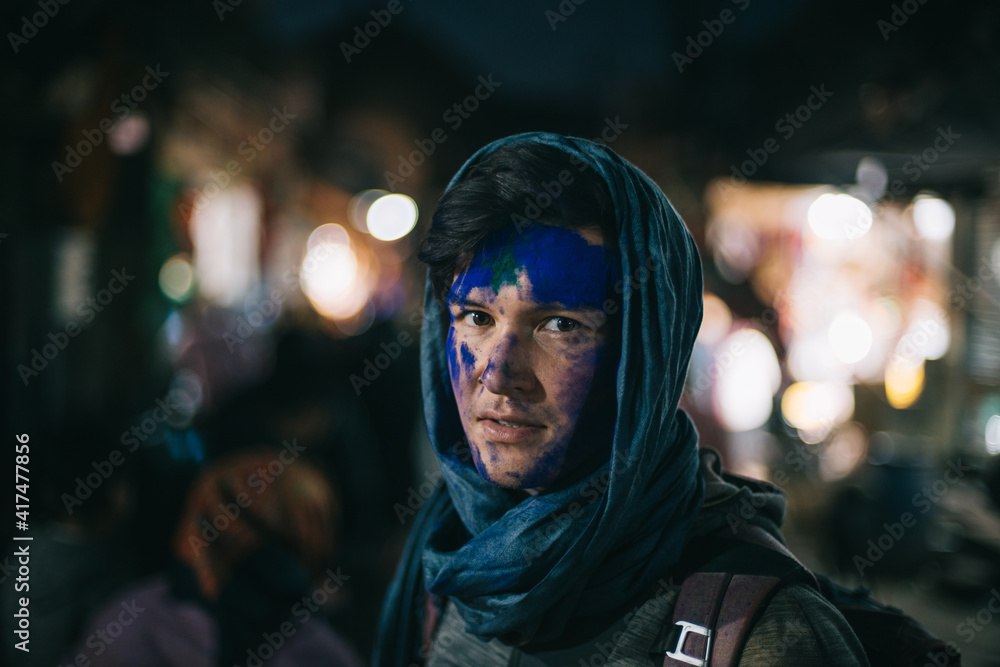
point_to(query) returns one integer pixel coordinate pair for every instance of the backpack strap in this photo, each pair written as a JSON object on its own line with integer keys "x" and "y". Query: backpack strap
{"x": 721, "y": 600}
{"x": 713, "y": 617}
{"x": 694, "y": 618}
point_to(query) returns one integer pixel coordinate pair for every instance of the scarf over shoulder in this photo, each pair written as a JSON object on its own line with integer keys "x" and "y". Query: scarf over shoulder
{"x": 522, "y": 569}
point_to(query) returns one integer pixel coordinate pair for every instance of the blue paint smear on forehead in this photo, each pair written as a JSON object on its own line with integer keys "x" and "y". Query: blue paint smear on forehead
{"x": 561, "y": 265}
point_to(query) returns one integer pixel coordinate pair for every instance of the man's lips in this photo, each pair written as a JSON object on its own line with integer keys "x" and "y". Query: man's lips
{"x": 513, "y": 419}
{"x": 509, "y": 428}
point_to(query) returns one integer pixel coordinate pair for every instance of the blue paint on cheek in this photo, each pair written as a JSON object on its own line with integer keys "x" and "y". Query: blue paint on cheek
{"x": 453, "y": 365}
{"x": 468, "y": 361}
{"x": 574, "y": 389}
{"x": 480, "y": 466}
{"x": 546, "y": 467}
{"x": 573, "y": 394}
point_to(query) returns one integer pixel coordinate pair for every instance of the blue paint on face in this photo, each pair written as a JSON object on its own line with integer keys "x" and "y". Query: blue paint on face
{"x": 550, "y": 269}
{"x": 468, "y": 360}
{"x": 480, "y": 466}
{"x": 565, "y": 268}
{"x": 453, "y": 365}
{"x": 545, "y": 467}
{"x": 491, "y": 366}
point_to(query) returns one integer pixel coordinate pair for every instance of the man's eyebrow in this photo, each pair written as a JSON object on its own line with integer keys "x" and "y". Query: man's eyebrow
{"x": 555, "y": 305}
{"x": 463, "y": 301}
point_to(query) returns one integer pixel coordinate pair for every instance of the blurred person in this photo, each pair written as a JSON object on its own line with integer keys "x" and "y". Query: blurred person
{"x": 251, "y": 579}
{"x": 305, "y": 399}
{"x": 78, "y": 549}
{"x": 573, "y": 483}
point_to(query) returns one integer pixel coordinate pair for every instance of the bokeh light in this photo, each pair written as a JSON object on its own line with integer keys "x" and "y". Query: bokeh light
{"x": 392, "y": 217}
{"x": 993, "y": 435}
{"x": 810, "y": 358}
{"x": 744, "y": 391}
{"x": 735, "y": 248}
{"x": 816, "y": 407}
{"x": 839, "y": 216}
{"x": 357, "y": 209}
{"x": 871, "y": 177}
{"x": 846, "y": 450}
{"x": 928, "y": 334}
{"x": 130, "y": 134}
{"x": 330, "y": 276}
{"x": 933, "y": 217}
{"x": 176, "y": 278}
{"x": 225, "y": 230}
{"x": 904, "y": 382}
{"x": 716, "y": 321}
{"x": 850, "y": 337}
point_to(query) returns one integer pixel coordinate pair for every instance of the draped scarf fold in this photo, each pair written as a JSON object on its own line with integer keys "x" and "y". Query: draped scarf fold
{"x": 521, "y": 569}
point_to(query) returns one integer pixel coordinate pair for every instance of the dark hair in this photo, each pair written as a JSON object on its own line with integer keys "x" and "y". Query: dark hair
{"x": 515, "y": 185}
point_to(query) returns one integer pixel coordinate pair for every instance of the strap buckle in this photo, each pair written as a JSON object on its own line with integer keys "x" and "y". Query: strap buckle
{"x": 678, "y": 652}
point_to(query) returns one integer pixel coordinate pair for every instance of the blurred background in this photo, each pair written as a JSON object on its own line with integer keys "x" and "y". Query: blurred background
{"x": 211, "y": 212}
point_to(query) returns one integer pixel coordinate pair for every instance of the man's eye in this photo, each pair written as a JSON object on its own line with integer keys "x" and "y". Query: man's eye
{"x": 562, "y": 324}
{"x": 478, "y": 319}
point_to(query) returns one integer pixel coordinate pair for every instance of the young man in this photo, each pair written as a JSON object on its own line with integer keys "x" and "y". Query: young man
{"x": 563, "y": 301}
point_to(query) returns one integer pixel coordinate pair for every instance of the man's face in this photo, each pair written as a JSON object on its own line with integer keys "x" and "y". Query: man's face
{"x": 527, "y": 337}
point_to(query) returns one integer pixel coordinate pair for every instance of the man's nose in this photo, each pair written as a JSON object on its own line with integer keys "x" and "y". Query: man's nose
{"x": 508, "y": 368}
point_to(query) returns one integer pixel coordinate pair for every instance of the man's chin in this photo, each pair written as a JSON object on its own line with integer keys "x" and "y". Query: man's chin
{"x": 498, "y": 476}
{"x": 512, "y": 477}
{"x": 513, "y": 481}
